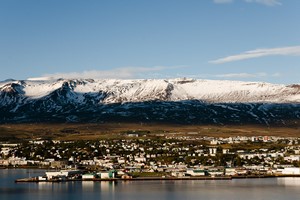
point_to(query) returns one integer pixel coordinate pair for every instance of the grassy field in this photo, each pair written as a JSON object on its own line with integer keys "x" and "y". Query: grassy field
{"x": 9, "y": 132}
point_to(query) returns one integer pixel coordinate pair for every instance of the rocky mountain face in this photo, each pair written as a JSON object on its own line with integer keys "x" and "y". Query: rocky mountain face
{"x": 185, "y": 101}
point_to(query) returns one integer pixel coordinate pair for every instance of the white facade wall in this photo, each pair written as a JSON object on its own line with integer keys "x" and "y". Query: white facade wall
{"x": 88, "y": 176}
{"x": 291, "y": 171}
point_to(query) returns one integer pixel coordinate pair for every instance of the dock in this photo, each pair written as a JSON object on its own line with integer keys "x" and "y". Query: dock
{"x": 129, "y": 179}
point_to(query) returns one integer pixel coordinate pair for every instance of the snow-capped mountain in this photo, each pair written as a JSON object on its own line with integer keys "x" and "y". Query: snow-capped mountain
{"x": 175, "y": 100}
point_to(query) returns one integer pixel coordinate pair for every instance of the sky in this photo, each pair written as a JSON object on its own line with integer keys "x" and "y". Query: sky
{"x": 246, "y": 40}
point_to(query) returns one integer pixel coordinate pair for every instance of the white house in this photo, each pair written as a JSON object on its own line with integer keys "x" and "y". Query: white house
{"x": 106, "y": 175}
{"x": 88, "y": 176}
{"x": 230, "y": 171}
{"x": 62, "y": 173}
{"x": 291, "y": 171}
{"x": 5, "y": 150}
{"x": 195, "y": 172}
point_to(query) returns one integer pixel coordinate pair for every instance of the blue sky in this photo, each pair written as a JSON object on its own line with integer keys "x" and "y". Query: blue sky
{"x": 247, "y": 40}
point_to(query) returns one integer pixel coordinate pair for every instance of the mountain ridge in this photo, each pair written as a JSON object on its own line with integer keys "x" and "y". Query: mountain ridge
{"x": 164, "y": 89}
{"x": 182, "y": 100}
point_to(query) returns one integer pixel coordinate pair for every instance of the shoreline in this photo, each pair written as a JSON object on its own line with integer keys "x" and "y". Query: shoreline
{"x": 26, "y": 180}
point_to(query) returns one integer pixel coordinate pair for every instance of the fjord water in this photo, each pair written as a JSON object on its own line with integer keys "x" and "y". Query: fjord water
{"x": 246, "y": 189}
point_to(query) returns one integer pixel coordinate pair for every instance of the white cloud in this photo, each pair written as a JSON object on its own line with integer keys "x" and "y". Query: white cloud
{"x": 118, "y": 73}
{"x": 222, "y": 1}
{"x": 265, "y": 2}
{"x": 283, "y": 51}
{"x": 242, "y": 75}
{"x": 233, "y": 76}
{"x": 276, "y": 75}
{"x": 247, "y": 75}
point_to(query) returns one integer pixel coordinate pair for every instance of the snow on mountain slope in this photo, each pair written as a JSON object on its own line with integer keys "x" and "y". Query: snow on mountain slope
{"x": 235, "y": 91}
{"x": 184, "y": 100}
{"x": 120, "y": 91}
{"x": 37, "y": 89}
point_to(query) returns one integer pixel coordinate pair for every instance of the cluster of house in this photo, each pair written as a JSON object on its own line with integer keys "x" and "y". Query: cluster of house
{"x": 192, "y": 136}
{"x": 75, "y": 174}
{"x": 183, "y": 172}
{"x": 172, "y": 156}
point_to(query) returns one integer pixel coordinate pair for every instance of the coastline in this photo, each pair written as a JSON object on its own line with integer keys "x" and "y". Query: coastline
{"x": 159, "y": 178}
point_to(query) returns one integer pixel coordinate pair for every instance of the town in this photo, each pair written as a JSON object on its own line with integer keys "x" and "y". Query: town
{"x": 138, "y": 154}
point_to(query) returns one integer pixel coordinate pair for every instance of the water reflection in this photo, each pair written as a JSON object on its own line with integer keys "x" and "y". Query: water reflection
{"x": 246, "y": 189}
{"x": 289, "y": 181}
{"x": 103, "y": 186}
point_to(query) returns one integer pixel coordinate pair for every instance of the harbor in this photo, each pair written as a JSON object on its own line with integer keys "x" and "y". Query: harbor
{"x": 111, "y": 176}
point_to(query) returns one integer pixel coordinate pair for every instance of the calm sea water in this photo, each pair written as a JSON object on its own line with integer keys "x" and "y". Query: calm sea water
{"x": 245, "y": 189}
